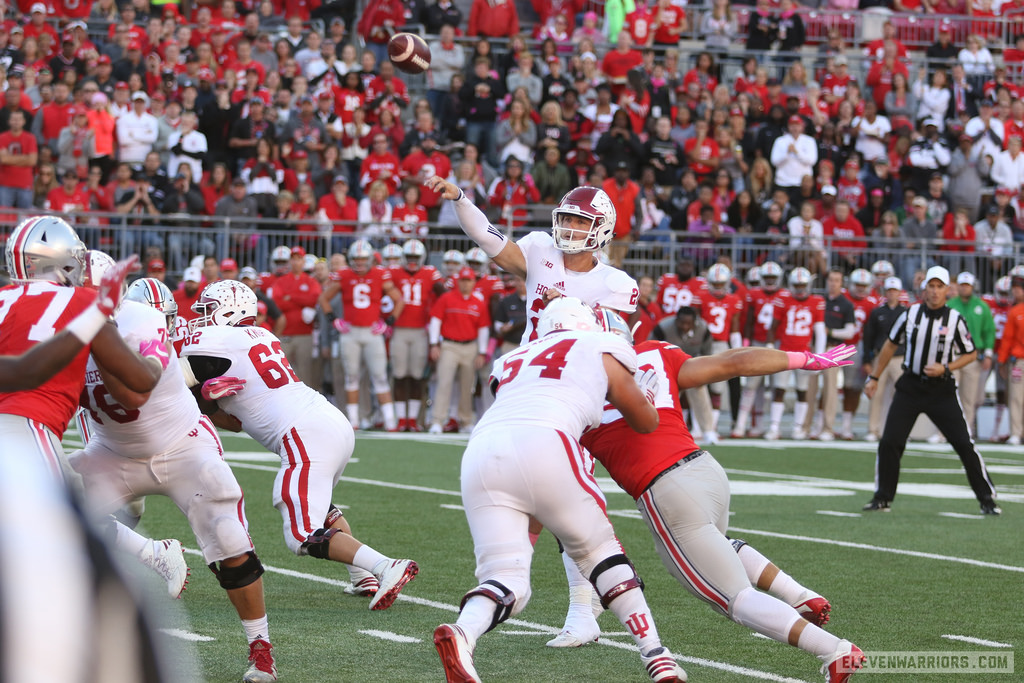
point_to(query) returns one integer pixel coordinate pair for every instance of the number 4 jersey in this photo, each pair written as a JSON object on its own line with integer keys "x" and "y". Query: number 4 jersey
{"x": 273, "y": 398}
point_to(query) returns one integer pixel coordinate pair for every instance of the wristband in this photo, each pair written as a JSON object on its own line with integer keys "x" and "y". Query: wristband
{"x": 872, "y": 377}
{"x": 87, "y": 325}
{"x": 797, "y": 359}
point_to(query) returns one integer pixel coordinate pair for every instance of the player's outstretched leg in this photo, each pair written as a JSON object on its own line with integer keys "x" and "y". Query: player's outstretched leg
{"x": 165, "y": 557}
{"x": 240, "y": 577}
{"x": 581, "y": 625}
{"x": 763, "y": 574}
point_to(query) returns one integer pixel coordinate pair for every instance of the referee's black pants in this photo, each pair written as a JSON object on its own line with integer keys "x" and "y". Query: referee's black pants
{"x": 936, "y": 398}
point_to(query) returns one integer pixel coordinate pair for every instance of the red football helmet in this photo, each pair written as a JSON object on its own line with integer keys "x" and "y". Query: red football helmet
{"x": 590, "y": 203}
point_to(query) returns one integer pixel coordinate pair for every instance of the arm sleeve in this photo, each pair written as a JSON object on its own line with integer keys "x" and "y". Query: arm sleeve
{"x": 475, "y": 224}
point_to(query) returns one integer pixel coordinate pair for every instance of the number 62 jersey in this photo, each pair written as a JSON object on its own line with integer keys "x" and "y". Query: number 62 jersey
{"x": 273, "y": 398}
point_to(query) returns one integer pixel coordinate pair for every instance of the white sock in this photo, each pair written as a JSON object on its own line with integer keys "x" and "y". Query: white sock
{"x": 630, "y": 608}
{"x": 764, "y": 614}
{"x": 785, "y": 588}
{"x": 818, "y": 423}
{"x": 128, "y": 540}
{"x": 753, "y": 562}
{"x": 715, "y": 413}
{"x": 357, "y": 574}
{"x": 581, "y": 592}
{"x": 352, "y": 410}
{"x": 388, "y": 411}
{"x": 476, "y": 617}
{"x": 847, "y": 422}
{"x": 799, "y": 414}
{"x": 746, "y": 405}
{"x": 367, "y": 558}
{"x": 400, "y": 409}
{"x": 997, "y": 428}
{"x": 817, "y": 642}
{"x": 256, "y": 629}
{"x": 778, "y": 407}
{"x": 414, "y": 409}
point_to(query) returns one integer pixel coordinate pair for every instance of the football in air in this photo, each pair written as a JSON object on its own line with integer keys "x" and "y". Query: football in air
{"x": 409, "y": 53}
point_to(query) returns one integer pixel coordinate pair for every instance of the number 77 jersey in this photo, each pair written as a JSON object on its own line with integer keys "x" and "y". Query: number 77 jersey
{"x": 273, "y": 398}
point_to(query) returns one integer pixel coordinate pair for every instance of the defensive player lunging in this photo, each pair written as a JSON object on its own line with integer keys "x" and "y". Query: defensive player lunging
{"x": 246, "y": 382}
{"x": 683, "y": 494}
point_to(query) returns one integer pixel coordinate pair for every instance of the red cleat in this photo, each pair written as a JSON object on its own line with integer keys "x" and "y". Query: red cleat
{"x": 845, "y": 662}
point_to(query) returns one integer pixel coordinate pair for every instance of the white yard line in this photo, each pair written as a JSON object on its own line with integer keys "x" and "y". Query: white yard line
{"x": 977, "y": 641}
{"x": 187, "y": 635}
{"x": 836, "y": 513}
{"x": 960, "y": 515}
{"x": 388, "y": 635}
{"x": 447, "y": 506}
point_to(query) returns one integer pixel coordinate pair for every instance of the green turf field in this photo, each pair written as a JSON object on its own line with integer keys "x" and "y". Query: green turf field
{"x": 901, "y": 581}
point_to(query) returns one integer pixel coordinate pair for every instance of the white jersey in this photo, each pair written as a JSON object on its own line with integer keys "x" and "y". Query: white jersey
{"x": 166, "y": 418}
{"x": 556, "y": 381}
{"x": 545, "y": 269}
{"x": 273, "y": 398}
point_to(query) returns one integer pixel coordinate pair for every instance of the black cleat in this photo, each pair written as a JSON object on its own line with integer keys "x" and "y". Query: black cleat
{"x": 989, "y": 507}
{"x": 878, "y": 505}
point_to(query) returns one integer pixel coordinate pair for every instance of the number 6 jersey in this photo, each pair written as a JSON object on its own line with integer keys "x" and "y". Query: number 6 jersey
{"x": 273, "y": 398}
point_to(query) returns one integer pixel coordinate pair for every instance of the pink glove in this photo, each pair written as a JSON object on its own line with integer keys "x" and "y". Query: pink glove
{"x": 108, "y": 294}
{"x": 833, "y": 358}
{"x": 378, "y": 327}
{"x": 342, "y": 326}
{"x": 155, "y": 349}
{"x": 222, "y": 387}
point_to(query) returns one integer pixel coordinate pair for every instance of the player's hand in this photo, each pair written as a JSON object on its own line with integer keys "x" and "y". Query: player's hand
{"x": 157, "y": 349}
{"x": 378, "y": 327}
{"x": 870, "y": 387}
{"x": 108, "y": 295}
{"x": 833, "y": 358}
{"x": 221, "y": 387}
{"x": 342, "y": 326}
{"x": 648, "y": 382}
{"x": 550, "y": 294}
{"x": 443, "y": 187}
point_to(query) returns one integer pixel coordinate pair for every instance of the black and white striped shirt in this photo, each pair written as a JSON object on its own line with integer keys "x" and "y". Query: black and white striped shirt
{"x": 931, "y": 336}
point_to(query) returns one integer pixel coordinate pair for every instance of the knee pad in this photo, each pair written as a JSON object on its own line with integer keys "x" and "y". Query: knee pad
{"x": 333, "y": 515}
{"x": 618, "y": 589}
{"x": 737, "y": 543}
{"x": 350, "y": 384}
{"x": 318, "y": 544}
{"x": 241, "y": 576}
{"x": 504, "y": 600}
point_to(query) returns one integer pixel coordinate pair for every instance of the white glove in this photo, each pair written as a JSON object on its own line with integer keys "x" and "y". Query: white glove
{"x": 308, "y": 314}
{"x": 648, "y": 382}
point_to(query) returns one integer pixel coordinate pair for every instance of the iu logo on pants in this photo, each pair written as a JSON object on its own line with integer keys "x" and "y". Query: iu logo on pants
{"x": 638, "y": 624}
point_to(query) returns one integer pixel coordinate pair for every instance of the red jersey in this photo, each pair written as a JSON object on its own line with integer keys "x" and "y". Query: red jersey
{"x": 638, "y": 23}
{"x": 461, "y": 317}
{"x": 861, "y": 310}
{"x": 20, "y": 177}
{"x": 343, "y": 217}
{"x": 845, "y": 235}
{"x": 796, "y": 318}
{"x": 418, "y": 293}
{"x": 720, "y": 314}
{"x": 999, "y": 314}
{"x": 671, "y": 17}
{"x": 292, "y": 293}
{"x": 427, "y": 166}
{"x": 632, "y": 459}
{"x": 384, "y": 167}
{"x": 410, "y": 221}
{"x": 361, "y": 294}
{"x": 759, "y": 303}
{"x": 708, "y": 150}
{"x": 68, "y": 202}
{"x": 488, "y": 286}
{"x": 32, "y": 313}
{"x": 617, "y": 64}
{"x": 185, "y": 302}
{"x": 673, "y": 294}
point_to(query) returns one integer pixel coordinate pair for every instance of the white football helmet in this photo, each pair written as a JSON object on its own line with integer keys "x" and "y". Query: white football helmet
{"x": 392, "y": 255}
{"x": 614, "y": 323}
{"x": 415, "y": 253}
{"x": 46, "y": 248}
{"x": 1016, "y": 273}
{"x": 567, "y": 313}
{"x": 719, "y": 277}
{"x": 882, "y": 270}
{"x": 860, "y": 282}
{"x": 1004, "y": 286}
{"x": 754, "y": 276}
{"x": 225, "y": 302}
{"x": 97, "y": 263}
{"x": 281, "y": 253}
{"x": 771, "y": 276}
{"x": 453, "y": 261}
{"x": 800, "y": 282}
{"x": 360, "y": 250}
{"x": 476, "y": 258}
{"x": 152, "y": 292}
{"x": 592, "y": 204}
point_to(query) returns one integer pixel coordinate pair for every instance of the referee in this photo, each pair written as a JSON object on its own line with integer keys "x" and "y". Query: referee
{"x": 933, "y": 333}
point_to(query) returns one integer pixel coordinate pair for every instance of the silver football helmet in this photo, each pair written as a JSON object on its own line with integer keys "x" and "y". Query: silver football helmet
{"x": 771, "y": 276}
{"x": 719, "y": 277}
{"x": 152, "y": 292}
{"x": 476, "y": 258}
{"x": 46, "y": 248}
{"x": 453, "y": 262}
{"x": 800, "y": 282}
{"x": 614, "y": 323}
{"x": 392, "y": 255}
{"x": 567, "y": 313}
{"x": 414, "y": 252}
{"x": 225, "y": 302}
{"x": 360, "y": 255}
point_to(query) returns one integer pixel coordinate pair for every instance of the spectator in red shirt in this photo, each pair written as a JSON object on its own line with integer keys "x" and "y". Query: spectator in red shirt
{"x": 512, "y": 193}
{"x": 379, "y": 21}
{"x": 702, "y": 151}
{"x": 669, "y": 23}
{"x": 215, "y": 186}
{"x": 425, "y": 161}
{"x": 623, "y": 193}
{"x": 847, "y": 235}
{"x": 409, "y": 215}
{"x": 37, "y": 24}
{"x": 386, "y": 91}
{"x": 18, "y": 155}
{"x": 339, "y": 209}
{"x": 69, "y": 197}
{"x": 617, "y": 63}
{"x": 296, "y": 294}
{"x": 380, "y": 164}
{"x": 493, "y": 19}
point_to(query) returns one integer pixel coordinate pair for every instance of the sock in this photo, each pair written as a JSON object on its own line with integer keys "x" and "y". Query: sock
{"x": 256, "y": 629}
{"x": 128, "y": 540}
{"x": 817, "y": 642}
{"x": 753, "y": 563}
{"x": 785, "y": 588}
{"x": 997, "y": 429}
{"x": 714, "y": 419}
{"x": 414, "y": 410}
{"x": 847, "y": 422}
{"x": 764, "y": 614}
{"x": 388, "y": 411}
{"x": 367, "y": 558}
{"x": 818, "y": 423}
{"x": 746, "y": 404}
{"x": 352, "y": 410}
{"x": 476, "y": 617}
{"x": 400, "y": 409}
{"x": 799, "y": 414}
{"x": 778, "y": 407}
{"x": 630, "y": 607}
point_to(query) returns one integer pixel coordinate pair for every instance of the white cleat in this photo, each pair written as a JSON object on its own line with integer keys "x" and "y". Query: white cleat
{"x": 871, "y": 438}
{"x": 772, "y": 434}
{"x": 365, "y": 587}
{"x": 392, "y": 580}
{"x": 826, "y": 436}
{"x": 1013, "y": 441}
{"x": 167, "y": 559}
{"x": 456, "y": 654}
{"x": 262, "y": 668}
{"x": 662, "y": 666}
{"x": 710, "y": 439}
{"x": 936, "y": 438}
{"x": 576, "y": 635}
{"x": 435, "y": 429}
{"x": 799, "y": 435}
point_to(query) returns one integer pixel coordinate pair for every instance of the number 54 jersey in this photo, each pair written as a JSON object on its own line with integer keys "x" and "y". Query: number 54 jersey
{"x": 273, "y": 399}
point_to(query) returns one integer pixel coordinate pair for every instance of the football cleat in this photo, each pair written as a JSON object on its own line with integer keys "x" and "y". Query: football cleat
{"x": 261, "y": 663}
{"x": 167, "y": 559}
{"x": 843, "y": 663}
{"x": 662, "y": 667}
{"x": 456, "y": 654}
{"x": 392, "y": 580}
{"x": 989, "y": 507}
{"x": 364, "y": 586}
{"x": 772, "y": 434}
{"x": 826, "y": 436}
{"x": 878, "y": 505}
{"x": 1013, "y": 440}
{"x": 813, "y": 608}
{"x": 435, "y": 429}
{"x": 799, "y": 435}
{"x": 871, "y": 438}
{"x": 452, "y": 426}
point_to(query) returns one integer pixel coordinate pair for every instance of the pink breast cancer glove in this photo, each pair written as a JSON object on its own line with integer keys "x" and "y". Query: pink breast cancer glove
{"x": 378, "y": 327}
{"x": 108, "y": 294}
{"x": 221, "y": 387}
{"x": 154, "y": 348}
{"x": 342, "y": 326}
{"x": 835, "y": 357}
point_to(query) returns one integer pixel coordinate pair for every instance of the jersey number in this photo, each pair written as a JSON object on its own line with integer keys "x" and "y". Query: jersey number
{"x": 717, "y": 316}
{"x": 767, "y": 316}
{"x": 412, "y": 292}
{"x": 798, "y": 322}
{"x": 361, "y": 295}
{"x": 551, "y": 361}
{"x": 101, "y": 400}
{"x": 45, "y": 327}
{"x": 272, "y": 365}
{"x": 535, "y": 308}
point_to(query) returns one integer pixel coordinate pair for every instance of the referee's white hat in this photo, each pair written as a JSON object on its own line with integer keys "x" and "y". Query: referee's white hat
{"x": 937, "y": 273}
{"x": 893, "y": 283}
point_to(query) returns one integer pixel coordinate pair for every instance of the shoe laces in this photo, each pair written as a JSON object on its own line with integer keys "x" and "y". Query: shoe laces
{"x": 260, "y": 656}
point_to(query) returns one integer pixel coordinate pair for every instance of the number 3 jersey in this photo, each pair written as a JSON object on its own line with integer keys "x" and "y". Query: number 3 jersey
{"x": 169, "y": 414}
{"x": 273, "y": 398}
{"x": 557, "y": 381}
